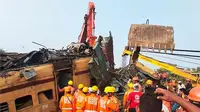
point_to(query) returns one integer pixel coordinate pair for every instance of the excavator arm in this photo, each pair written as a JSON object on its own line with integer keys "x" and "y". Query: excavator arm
{"x": 88, "y": 28}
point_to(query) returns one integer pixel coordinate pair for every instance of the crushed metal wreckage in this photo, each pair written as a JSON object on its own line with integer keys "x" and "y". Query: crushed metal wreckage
{"x": 100, "y": 67}
{"x": 100, "y": 57}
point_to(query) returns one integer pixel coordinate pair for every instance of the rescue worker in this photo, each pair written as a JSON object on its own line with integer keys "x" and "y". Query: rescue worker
{"x": 79, "y": 90}
{"x": 130, "y": 86}
{"x": 136, "y": 81}
{"x": 102, "y": 105}
{"x": 113, "y": 102}
{"x": 70, "y": 84}
{"x": 85, "y": 90}
{"x": 67, "y": 101}
{"x": 80, "y": 100}
{"x": 109, "y": 103}
{"x": 92, "y": 100}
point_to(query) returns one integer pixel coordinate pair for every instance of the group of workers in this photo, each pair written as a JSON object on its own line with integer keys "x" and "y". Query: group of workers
{"x": 149, "y": 98}
{"x": 87, "y": 99}
{"x": 144, "y": 99}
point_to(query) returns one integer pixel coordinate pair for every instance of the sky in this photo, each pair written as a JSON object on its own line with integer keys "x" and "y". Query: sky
{"x": 57, "y": 23}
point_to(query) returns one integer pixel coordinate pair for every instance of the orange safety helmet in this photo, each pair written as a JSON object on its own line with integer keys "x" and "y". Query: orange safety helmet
{"x": 194, "y": 94}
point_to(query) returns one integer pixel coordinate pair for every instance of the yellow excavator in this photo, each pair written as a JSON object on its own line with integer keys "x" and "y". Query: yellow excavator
{"x": 155, "y": 37}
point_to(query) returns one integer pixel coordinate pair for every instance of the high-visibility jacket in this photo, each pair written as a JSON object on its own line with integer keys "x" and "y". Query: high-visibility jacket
{"x": 91, "y": 103}
{"x": 102, "y": 105}
{"x": 67, "y": 103}
{"x": 113, "y": 104}
{"x": 77, "y": 93}
{"x": 126, "y": 96}
{"x": 80, "y": 102}
{"x": 72, "y": 89}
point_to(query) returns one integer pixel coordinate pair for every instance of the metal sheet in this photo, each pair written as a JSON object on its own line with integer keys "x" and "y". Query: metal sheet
{"x": 98, "y": 67}
{"x": 107, "y": 47}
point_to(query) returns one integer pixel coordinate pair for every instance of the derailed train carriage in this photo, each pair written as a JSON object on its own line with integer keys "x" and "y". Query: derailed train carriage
{"x": 31, "y": 82}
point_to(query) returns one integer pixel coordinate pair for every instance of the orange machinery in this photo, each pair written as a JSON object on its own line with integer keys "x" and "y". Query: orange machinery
{"x": 88, "y": 28}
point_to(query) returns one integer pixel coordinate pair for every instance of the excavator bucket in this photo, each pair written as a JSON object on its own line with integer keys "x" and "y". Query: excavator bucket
{"x": 151, "y": 37}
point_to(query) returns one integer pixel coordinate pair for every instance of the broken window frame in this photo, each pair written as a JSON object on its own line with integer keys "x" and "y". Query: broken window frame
{"x": 46, "y": 96}
{"x": 29, "y": 106}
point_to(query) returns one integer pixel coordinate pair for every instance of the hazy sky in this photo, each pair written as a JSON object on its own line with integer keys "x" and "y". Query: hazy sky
{"x": 56, "y": 23}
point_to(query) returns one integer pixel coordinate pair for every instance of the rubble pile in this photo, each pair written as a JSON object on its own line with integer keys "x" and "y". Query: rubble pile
{"x": 5, "y": 57}
{"x": 122, "y": 75}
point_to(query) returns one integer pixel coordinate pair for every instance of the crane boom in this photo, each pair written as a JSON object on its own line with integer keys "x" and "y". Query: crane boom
{"x": 165, "y": 66}
{"x": 169, "y": 67}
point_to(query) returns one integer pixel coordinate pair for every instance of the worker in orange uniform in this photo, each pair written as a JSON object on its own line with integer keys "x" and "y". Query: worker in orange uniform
{"x": 135, "y": 80}
{"x": 70, "y": 84}
{"x": 130, "y": 89}
{"x": 91, "y": 101}
{"x": 106, "y": 103}
{"x": 80, "y": 100}
{"x": 79, "y": 90}
{"x": 67, "y": 101}
{"x": 113, "y": 102}
{"x": 102, "y": 105}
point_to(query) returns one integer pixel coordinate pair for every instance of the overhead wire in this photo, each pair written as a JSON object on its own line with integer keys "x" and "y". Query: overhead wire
{"x": 187, "y": 50}
{"x": 194, "y": 58}
{"x": 184, "y": 55}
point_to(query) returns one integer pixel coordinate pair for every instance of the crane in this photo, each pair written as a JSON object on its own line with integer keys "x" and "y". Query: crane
{"x": 88, "y": 28}
{"x": 153, "y": 37}
{"x": 165, "y": 66}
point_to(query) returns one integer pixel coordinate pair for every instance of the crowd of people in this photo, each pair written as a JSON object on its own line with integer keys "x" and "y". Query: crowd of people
{"x": 151, "y": 97}
{"x": 174, "y": 96}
